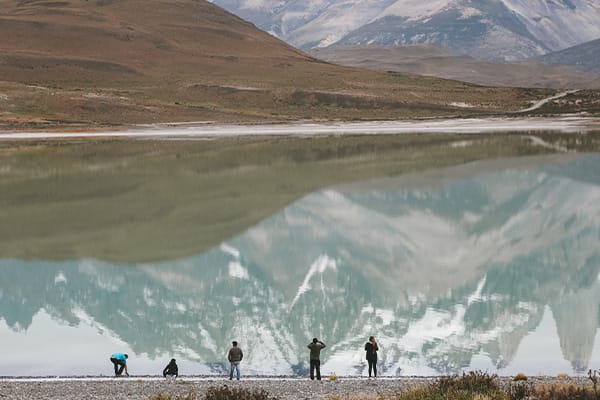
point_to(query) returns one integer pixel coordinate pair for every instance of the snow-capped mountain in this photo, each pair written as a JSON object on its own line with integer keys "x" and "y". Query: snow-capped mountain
{"x": 447, "y": 268}
{"x": 491, "y": 29}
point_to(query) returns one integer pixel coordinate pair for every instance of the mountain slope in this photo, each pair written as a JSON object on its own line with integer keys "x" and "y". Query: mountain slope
{"x": 123, "y": 62}
{"x": 493, "y": 29}
{"x": 432, "y": 60}
{"x": 583, "y": 57}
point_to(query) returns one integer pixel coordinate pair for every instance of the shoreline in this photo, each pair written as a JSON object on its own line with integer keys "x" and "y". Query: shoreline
{"x": 569, "y": 124}
{"x": 291, "y": 388}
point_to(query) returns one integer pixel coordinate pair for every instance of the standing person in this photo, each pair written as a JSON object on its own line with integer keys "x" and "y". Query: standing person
{"x": 315, "y": 362}
{"x": 171, "y": 371}
{"x": 119, "y": 361}
{"x": 371, "y": 348}
{"x": 235, "y": 356}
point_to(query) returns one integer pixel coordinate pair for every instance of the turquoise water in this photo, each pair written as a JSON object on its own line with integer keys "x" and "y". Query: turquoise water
{"x": 492, "y": 265}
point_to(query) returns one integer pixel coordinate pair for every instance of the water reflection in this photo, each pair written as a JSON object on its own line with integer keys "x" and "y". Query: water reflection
{"x": 492, "y": 265}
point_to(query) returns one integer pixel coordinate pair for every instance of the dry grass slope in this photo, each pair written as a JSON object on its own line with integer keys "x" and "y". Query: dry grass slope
{"x": 83, "y": 63}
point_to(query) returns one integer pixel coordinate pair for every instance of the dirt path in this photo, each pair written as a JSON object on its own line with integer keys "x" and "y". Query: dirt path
{"x": 540, "y": 103}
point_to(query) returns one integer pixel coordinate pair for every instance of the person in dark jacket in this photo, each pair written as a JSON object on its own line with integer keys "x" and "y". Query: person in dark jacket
{"x": 171, "y": 371}
{"x": 315, "y": 362}
{"x": 371, "y": 348}
{"x": 235, "y": 357}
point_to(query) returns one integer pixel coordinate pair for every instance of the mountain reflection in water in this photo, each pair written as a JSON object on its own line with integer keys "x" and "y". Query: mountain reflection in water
{"x": 492, "y": 265}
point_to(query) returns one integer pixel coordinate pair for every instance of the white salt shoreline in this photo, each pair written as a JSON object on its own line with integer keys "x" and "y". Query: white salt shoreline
{"x": 571, "y": 124}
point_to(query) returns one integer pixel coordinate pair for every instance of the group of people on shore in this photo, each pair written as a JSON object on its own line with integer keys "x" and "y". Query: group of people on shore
{"x": 235, "y": 356}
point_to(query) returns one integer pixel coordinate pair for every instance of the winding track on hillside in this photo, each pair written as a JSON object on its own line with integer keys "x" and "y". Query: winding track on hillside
{"x": 540, "y": 103}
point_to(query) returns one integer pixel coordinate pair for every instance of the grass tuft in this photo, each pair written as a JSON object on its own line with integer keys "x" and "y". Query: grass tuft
{"x": 520, "y": 377}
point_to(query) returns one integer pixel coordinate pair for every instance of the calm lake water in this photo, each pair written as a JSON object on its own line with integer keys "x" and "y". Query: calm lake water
{"x": 492, "y": 265}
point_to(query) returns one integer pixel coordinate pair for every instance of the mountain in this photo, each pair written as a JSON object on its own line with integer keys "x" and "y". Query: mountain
{"x": 432, "y": 60}
{"x": 514, "y": 248}
{"x": 584, "y": 57}
{"x": 489, "y": 29}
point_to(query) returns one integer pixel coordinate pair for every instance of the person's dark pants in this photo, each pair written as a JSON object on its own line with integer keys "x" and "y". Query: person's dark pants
{"x": 119, "y": 366}
{"x": 315, "y": 365}
{"x": 372, "y": 367}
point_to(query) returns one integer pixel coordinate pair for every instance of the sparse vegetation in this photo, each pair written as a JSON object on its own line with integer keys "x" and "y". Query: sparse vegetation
{"x": 594, "y": 375}
{"x": 189, "y": 396}
{"x": 472, "y": 386}
{"x": 482, "y": 386}
{"x": 227, "y": 393}
{"x": 559, "y": 391}
{"x": 220, "y": 393}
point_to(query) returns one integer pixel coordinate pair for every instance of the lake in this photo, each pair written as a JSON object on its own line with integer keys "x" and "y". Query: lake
{"x": 467, "y": 258}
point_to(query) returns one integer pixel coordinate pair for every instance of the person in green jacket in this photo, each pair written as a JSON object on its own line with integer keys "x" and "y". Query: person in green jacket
{"x": 315, "y": 363}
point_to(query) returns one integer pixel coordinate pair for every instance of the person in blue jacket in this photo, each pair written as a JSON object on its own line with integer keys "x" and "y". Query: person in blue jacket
{"x": 119, "y": 361}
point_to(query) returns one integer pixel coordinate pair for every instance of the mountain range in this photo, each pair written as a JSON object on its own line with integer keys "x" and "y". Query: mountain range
{"x": 567, "y": 69}
{"x": 584, "y": 57}
{"x": 490, "y": 29}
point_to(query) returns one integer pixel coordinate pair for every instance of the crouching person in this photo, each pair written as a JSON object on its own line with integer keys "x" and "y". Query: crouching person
{"x": 119, "y": 361}
{"x": 171, "y": 371}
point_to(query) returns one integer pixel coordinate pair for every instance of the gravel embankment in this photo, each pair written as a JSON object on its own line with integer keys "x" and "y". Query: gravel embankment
{"x": 284, "y": 389}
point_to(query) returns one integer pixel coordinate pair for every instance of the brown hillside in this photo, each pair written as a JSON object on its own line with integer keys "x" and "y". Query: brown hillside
{"x": 150, "y": 37}
{"x": 98, "y": 62}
